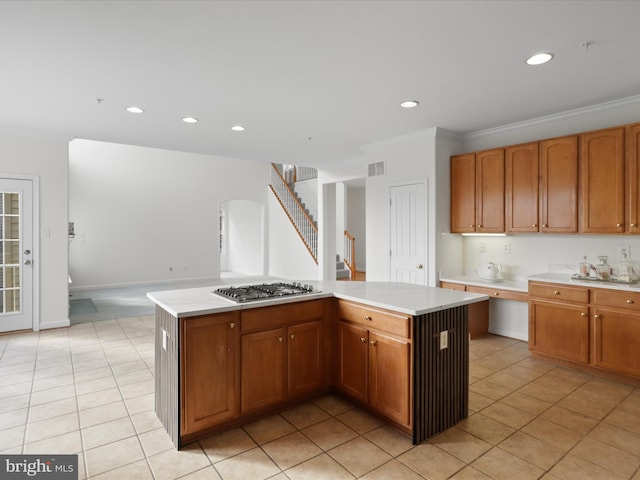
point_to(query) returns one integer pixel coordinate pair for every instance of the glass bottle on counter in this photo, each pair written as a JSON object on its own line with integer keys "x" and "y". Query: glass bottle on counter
{"x": 624, "y": 270}
{"x": 584, "y": 267}
{"x": 603, "y": 269}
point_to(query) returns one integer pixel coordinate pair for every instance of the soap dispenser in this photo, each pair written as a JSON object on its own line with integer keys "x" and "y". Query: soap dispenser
{"x": 584, "y": 267}
{"x": 624, "y": 270}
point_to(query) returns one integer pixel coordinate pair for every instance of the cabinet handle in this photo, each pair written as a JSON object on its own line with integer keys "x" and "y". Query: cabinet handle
{"x": 534, "y": 225}
{"x": 232, "y": 325}
{"x": 367, "y": 318}
{"x": 280, "y": 339}
{"x": 363, "y": 340}
{"x": 630, "y": 302}
{"x": 292, "y": 336}
{"x": 373, "y": 343}
{"x": 633, "y": 225}
{"x": 556, "y": 292}
{"x": 597, "y": 316}
{"x": 496, "y": 293}
{"x": 583, "y": 314}
{"x": 618, "y": 224}
{"x": 544, "y": 225}
{"x": 471, "y": 226}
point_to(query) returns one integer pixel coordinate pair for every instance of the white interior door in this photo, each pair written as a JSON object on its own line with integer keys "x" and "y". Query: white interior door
{"x": 16, "y": 254}
{"x": 407, "y": 216}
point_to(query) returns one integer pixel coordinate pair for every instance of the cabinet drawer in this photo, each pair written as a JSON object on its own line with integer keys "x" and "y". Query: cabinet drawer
{"x": 390, "y": 322}
{"x": 616, "y": 298}
{"x": 499, "y": 293}
{"x": 453, "y": 286}
{"x": 255, "y": 319}
{"x": 554, "y": 291}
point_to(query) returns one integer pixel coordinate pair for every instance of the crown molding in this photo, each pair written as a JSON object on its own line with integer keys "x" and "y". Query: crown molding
{"x": 556, "y": 117}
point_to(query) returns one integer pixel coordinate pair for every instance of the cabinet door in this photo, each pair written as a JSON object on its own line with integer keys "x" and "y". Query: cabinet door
{"x": 632, "y": 137}
{"x": 352, "y": 360}
{"x": 559, "y": 185}
{"x": 560, "y": 330}
{"x": 304, "y": 358}
{"x": 209, "y": 351}
{"x": 262, "y": 360}
{"x": 490, "y": 191}
{"x": 522, "y": 188}
{"x": 602, "y": 181}
{"x": 463, "y": 193}
{"x": 617, "y": 340}
{"x": 390, "y": 377}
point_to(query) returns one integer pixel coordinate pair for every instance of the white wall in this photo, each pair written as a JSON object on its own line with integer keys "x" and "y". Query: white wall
{"x": 46, "y": 158}
{"x": 539, "y": 253}
{"x": 245, "y": 237}
{"x": 145, "y": 215}
{"x": 288, "y": 257}
{"x": 408, "y": 159}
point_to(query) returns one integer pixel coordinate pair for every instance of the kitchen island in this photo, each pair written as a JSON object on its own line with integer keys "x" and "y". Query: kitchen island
{"x": 399, "y": 351}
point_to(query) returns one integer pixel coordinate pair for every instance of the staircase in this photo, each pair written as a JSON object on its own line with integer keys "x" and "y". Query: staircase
{"x": 296, "y": 210}
{"x": 341, "y": 270}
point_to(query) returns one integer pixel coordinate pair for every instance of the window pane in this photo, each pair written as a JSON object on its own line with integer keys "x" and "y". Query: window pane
{"x": 12, "y": 277}
{"x": 12, "y": 203}
{"x": 12, "y": 252}
{"x": 11, "y": 227}
{"x": 12, "y": 301}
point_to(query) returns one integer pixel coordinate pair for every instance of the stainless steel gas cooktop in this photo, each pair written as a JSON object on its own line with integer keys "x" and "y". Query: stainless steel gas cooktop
{"x": 263, "y": 291}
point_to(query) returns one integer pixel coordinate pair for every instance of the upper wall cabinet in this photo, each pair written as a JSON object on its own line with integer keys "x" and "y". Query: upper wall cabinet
{"x": 477, "y": 192}
{"x": 463, "y": 193}
{"x": 559, "y": 185}
{"x": 602, "y": 178}
{"x": 632, "y": 137}
{"x": 522, "y": 188}
{"x": 542, "y": 186}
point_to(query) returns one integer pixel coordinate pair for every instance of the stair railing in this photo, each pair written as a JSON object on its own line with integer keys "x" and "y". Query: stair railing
{"x": 350, "y": 253}
{"x": 304, "y": 225}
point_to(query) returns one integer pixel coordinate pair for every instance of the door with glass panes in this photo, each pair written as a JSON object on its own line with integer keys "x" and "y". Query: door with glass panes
{"x": 16, "y": 257}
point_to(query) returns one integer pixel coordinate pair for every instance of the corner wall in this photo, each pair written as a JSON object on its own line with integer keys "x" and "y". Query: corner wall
{"x": 48, "y": 159}
{"x": 146, "y": 215}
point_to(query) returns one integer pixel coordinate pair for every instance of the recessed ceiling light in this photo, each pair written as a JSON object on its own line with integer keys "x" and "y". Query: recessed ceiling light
{"x": 190, "y": 120}
{"x": 134, "y": 110}
{"x": 539, "y": 58}
{"x": 410, "y": 104}
{"x": 237, "y": 128}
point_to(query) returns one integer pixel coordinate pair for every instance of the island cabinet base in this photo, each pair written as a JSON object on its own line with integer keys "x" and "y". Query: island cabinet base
{"x": 215, "y": 372}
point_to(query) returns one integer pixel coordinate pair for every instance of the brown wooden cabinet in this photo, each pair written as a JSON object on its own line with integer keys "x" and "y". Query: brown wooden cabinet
{"x": 209, "y": 364}
{"x": 522, "y": 188}
{"x": 602, "y": 174}
{"x": 463, "y": 193}
{"x": 263, "y": 363}
{"x": 490, "y": 191}
{"x": 559, "y": 185}
{"x": 616, "y": 316}
{"x": 477, "y": 192}
{"x": 286, "y": 362}
{"x": 632, "y": 139}
{"x": 374, "y": 360}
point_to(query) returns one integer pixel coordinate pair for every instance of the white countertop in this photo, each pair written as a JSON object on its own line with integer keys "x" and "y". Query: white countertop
{"x": 520, "y": 286}
{"x": 400, "y": 297}
{"x": 552, "y": 277}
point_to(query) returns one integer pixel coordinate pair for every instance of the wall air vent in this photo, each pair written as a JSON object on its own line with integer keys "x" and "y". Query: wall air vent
{"x": 376, "y": 169}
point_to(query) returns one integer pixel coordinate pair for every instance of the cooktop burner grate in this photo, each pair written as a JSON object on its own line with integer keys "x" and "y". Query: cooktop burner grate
{"x": 248, "y": 293}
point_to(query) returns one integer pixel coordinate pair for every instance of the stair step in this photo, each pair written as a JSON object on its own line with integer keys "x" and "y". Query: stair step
{"x": 340, "y": 265}
{"x": 342, "y": 273}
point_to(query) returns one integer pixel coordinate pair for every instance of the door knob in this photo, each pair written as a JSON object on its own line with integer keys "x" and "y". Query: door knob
{"x": 27, "y": 252}
{"x": 419, "y": 266}
{"x": 27, "y": 262}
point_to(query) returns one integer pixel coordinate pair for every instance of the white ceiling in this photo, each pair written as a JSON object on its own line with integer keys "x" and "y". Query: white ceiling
{"x": 312, "y": 81}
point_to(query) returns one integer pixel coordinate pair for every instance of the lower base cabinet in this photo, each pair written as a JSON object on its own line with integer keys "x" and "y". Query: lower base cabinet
{"x": 374, "y": 368}
{"x": 598, "y": 328}
{"x": 209, "y": 349}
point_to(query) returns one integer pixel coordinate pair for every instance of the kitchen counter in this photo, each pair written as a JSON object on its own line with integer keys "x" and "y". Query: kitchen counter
{"x": 399, "y": 297}
{"x": 566, "y": 279}
{"x": 519, "y": 286}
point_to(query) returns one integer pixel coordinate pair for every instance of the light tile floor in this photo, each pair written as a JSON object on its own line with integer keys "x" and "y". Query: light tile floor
{"x": 89, "y": 389}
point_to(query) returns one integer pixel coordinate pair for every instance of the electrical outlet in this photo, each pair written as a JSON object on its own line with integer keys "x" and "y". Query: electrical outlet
{"x": 483, "y": 247}
{"x": 506, "y": 248}
{"x": 444, "y": 339}
{"x": 624, "y": 250}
